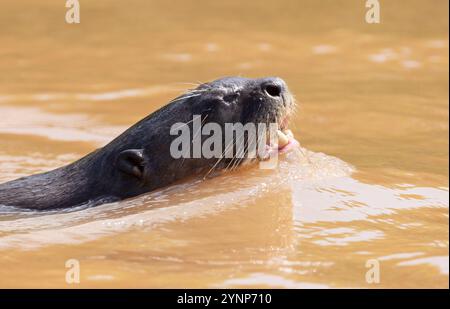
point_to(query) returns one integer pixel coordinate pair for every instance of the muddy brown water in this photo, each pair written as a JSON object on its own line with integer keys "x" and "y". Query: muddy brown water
{"x": 371, "y": 182}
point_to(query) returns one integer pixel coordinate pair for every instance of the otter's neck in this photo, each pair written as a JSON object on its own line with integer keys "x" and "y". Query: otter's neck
{"x": 63, "y": 187}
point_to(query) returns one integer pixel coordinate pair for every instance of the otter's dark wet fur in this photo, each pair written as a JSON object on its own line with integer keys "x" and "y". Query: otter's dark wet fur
{"x": 139, "y": 160}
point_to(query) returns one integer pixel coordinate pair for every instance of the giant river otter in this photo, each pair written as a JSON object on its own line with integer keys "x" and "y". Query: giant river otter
{"x": 141, "y": 159}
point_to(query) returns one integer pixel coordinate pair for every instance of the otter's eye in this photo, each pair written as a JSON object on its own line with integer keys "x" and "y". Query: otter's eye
{"x": 232, "y": 97}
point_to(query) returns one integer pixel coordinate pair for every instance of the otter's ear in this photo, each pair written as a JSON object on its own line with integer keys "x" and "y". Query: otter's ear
{"x": 131, "y": 162}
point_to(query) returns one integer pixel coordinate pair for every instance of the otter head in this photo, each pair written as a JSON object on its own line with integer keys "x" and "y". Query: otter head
{"x": 176, "y": 141}
{"x": 243, "y": 100}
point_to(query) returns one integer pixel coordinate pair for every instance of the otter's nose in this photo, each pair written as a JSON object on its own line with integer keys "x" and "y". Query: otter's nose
{"x": 273, "y": 87}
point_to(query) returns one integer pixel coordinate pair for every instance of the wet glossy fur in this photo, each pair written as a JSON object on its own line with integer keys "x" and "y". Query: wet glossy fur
{"x": 139, "y": 160}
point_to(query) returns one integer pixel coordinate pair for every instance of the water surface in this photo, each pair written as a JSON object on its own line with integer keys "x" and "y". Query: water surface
{"x": 370, "y": 183}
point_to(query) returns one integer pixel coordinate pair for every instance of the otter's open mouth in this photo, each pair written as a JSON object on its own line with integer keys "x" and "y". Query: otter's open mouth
{"x": 284, "y": 141}
{"x": 285, "y": 137}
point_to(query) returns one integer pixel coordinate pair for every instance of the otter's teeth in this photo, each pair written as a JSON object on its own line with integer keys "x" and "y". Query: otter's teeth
{"x": 283, "y": 140}
{"x": 288, "y": 133}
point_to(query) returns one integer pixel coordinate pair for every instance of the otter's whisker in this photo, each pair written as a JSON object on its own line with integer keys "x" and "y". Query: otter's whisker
{"x": 196, "y": 91}
{"x": 218, "y": 160}
{"x": 234, "y": 144}
{"x": 187, "y": 83}
{"x": 231, "y": 143}
{"x": 185, "y": 97}
{"x": 243, "y": 154}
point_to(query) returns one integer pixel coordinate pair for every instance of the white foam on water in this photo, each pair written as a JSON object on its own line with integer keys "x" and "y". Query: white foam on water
{"x": 324, "y": 49}
{"x": 439, "y": 262}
